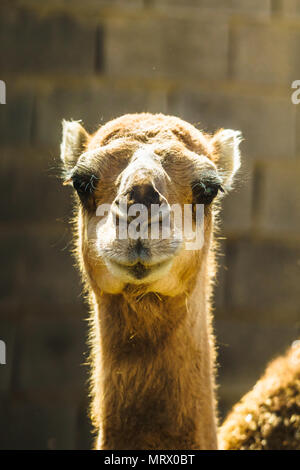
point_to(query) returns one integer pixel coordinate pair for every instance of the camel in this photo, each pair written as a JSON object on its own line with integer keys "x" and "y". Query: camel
{"x": 152, "y": 344}
{"x": 268, "y": 417}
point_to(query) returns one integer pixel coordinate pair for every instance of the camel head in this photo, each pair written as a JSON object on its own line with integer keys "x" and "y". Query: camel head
{"x": 129, "y": 176}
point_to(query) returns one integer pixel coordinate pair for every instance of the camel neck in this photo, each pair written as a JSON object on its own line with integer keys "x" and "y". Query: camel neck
{"x": 156, "y": 389}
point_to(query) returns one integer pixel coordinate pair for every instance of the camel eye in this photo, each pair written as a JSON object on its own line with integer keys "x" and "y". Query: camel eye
{"x": 84, "y": 184}
{"x": 204, "y": 192}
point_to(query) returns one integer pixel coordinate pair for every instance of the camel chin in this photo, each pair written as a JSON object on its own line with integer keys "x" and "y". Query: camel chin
{"x": 139, "y": 273}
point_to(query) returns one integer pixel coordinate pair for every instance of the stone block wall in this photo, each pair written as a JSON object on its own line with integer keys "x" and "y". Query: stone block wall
{"x": 215, "y": 63}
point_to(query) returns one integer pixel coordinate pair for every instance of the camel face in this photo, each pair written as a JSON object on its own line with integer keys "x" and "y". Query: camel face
{"x": 146, "y": 179}
{"x": 131, "y": 177}
{"x": 134, "y": 253}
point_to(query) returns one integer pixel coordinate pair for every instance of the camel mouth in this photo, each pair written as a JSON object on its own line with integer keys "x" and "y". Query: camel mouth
{"x": 139, "y": 272}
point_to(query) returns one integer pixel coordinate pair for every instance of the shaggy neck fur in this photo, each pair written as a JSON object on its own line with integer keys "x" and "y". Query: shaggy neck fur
{"x": 153, "y": 368}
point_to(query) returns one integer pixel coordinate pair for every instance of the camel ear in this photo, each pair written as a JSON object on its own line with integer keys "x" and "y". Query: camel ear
{"x": 226, "y": 144}
{"x": 74, "y": 139}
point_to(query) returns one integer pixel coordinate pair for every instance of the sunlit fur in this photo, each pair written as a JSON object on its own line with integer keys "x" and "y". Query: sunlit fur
{"x": 268, "y": 417}
{"x": 152, "y": 347}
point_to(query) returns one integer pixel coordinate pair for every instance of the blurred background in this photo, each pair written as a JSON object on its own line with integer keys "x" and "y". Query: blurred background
{"x": 214, "y": 63}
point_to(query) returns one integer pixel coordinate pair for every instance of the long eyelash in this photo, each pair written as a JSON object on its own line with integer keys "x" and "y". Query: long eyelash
{"x": 206, "y": 190}
{"x": 201, "y": 184}
{"x": 87, "y": 184}
{"x": 220, "y": 188}
{"x": 93, "y": 178}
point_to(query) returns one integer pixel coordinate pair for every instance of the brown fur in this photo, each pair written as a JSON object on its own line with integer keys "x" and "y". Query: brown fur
{"x": 268, "y": 417}
{"x": 152, "y": 347}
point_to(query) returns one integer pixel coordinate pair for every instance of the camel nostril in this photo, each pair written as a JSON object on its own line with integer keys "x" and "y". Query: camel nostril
{"x": 144, "y": 194}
